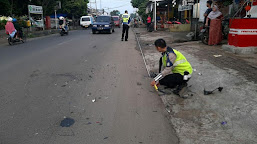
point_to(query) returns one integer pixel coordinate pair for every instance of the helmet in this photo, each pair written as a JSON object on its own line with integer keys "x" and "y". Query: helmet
{"x": 14, "y": 19}
{"x": 9, "y": 19}
{"x": 61, "y": 18}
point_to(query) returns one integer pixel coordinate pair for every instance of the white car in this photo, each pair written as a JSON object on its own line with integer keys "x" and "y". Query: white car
{"x": 86, "y": 21}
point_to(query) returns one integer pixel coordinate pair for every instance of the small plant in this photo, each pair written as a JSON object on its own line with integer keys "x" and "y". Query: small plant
{"x": 2, "y": 24}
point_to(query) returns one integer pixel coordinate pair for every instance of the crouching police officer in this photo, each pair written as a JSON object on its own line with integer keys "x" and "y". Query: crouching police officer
{"x": 174, "y": 69}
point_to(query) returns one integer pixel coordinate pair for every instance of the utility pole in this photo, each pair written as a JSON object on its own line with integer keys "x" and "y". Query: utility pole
{"x": 155, "y": 22}
{"x": 100, "y": 4}
{"x": 90, "y": 7}
{"x": 95, "y": 7}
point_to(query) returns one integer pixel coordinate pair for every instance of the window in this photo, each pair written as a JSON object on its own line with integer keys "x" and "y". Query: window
{"x": 115, "y": 18}
{"x": 85, "y": 19}
{"x": 103, "y": 19}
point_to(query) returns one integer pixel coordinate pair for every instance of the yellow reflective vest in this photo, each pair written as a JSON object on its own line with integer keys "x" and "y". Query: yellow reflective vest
{"x": 125, "y": 18}
{"x": 180, "y": 65}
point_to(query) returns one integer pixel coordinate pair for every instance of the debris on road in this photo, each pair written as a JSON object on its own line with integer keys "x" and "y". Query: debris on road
{"x": 194, "y": 70}
{"x": 217, "y": 56}
{"x": 200, "y": 74}
{"x": 210, "y": 92}
{"x": 223, "y": 123}
{"x": 167, "y": 110}
{"x": 93, "y": 100}
{"x": 106, "y": 137}
{"x": 89, "y": 123}
{"x": 138, "y": 83}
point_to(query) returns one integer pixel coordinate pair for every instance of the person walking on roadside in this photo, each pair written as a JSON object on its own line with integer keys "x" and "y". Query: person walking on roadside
{"x": 149, "y": 21}
{"x": 215, "y": 32}
{"x": 174, "y": 69}
{"x": 207, "y": 12}
{"x": 125, "y": 28}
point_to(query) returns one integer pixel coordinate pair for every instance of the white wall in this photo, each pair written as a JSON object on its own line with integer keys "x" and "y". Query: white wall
{"x": 253, "y": 12}
{"x": 202, "y": 9}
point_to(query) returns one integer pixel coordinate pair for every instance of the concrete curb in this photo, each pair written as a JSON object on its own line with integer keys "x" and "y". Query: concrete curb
{"x": 240, "y": 50}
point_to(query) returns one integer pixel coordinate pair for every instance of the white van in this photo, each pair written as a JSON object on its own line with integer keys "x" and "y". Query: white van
{"x": 86, "y": 21}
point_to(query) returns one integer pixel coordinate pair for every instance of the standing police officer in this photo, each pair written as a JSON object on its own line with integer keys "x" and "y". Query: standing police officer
{"x": 125, "y": 22}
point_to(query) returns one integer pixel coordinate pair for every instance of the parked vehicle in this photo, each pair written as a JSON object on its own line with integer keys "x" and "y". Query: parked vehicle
{"x": 204, "y": 33}
{"x": 14, "y": 40}
{"x": 86, "y": 21}
{"x": 103, "y": 24}
{"x": 116, "y": 21}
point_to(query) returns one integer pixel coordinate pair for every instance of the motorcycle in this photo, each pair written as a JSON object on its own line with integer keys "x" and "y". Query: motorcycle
{"x": 204, "y": 33}
{"x": 13, "y": 40}
{"x": 64, "y": 30}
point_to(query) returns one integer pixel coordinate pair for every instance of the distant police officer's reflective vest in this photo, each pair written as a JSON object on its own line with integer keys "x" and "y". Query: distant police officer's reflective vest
{"x": 125, "y": 18}
{"x": 180, "y": 65}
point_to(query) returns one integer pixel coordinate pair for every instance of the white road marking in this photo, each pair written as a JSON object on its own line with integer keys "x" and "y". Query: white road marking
{"x": 65, "y": 42}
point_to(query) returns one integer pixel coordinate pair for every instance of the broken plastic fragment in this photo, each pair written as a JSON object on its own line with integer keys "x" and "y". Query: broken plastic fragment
{"x": 224, "y": 122}
{"x": 217, "y": 56}
{"x": 168, "y": 110}
{"x": 200, "y": 74}
{"x": 93, "y": 100}
{"x": 210, "y": 92}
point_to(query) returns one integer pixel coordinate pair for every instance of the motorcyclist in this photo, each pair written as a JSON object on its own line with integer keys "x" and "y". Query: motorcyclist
{"x": 10, "y": 29}
{"x": 18, "y": 28}
{"x": 62, "y": 23}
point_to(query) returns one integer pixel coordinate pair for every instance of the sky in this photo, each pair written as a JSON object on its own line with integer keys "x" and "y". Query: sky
{"x": 110, "y": 5}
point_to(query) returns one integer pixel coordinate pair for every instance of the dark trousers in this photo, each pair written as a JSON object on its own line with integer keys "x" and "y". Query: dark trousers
{"x": 172, "y": 80}
{"x": 148, "y": 26}
{"x": 125, "y": 29}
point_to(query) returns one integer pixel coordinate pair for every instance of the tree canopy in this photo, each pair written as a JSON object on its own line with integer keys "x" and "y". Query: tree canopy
{"x": 115, "y": 13}
{"x": 76, "y": 8}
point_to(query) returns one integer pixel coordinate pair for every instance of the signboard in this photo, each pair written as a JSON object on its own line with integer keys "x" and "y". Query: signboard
{"x": 35, "y": 9}
{"x": 184, "y": 8}
{"x": 155, "y": 0}
{"x": 188, "y": 2}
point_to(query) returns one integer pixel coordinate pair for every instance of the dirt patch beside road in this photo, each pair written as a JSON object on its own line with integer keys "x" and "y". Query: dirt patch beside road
{"x": 223, "y": 117}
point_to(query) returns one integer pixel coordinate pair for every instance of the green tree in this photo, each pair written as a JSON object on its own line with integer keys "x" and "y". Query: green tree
{"x": 141, "y": 5}
{"x": 115, "y": 13}
{"x": 74, "y": 8}
{"x": 5, "y": 7}
{"x": 137, "y": 3}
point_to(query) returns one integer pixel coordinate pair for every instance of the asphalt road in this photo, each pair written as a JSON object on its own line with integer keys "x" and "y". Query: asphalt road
{"x": 96, "y": 80}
